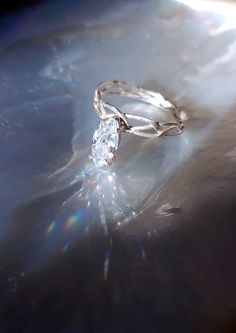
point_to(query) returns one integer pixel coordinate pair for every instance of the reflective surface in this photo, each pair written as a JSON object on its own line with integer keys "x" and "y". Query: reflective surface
{"x": 147, "y": 244}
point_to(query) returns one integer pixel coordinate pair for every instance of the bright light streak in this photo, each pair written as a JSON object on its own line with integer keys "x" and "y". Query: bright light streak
{"x": 217, "y": 7}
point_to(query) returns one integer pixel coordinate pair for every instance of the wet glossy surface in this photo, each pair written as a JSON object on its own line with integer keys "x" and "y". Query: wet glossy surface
{"x": 149, "y": 244}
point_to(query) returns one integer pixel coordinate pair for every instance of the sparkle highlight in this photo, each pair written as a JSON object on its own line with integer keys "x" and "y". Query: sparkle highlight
{"x": 52, "y": 226}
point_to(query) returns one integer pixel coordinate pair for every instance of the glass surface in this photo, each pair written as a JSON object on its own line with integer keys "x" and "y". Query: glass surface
{"x": 147, "y": 244}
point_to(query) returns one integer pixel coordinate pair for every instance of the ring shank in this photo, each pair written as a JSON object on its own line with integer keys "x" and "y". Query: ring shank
{"x": 148, "y": 127}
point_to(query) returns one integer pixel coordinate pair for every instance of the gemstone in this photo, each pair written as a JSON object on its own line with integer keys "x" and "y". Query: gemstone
{"x": 105, "y": 142}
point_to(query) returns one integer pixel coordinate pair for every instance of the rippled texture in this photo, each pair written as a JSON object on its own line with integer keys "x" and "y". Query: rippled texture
{"x": 148, "y": 244}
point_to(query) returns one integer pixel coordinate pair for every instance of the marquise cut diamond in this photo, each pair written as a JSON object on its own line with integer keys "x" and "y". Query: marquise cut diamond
{"x": 105, "y": 142}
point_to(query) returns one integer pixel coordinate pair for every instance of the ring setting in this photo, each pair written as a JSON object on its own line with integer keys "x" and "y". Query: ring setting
{"x": 113, "y": 121}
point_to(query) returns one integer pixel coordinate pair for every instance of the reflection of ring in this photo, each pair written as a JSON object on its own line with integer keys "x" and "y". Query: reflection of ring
{"x": 113, "y": 121}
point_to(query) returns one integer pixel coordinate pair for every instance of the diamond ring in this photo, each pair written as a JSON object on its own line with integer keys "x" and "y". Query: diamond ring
{"x": 113, "y": 122}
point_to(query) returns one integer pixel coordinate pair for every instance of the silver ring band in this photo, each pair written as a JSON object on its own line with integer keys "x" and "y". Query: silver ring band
{"x": 114, "y": 122}
{"x": 148, "y": 127}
